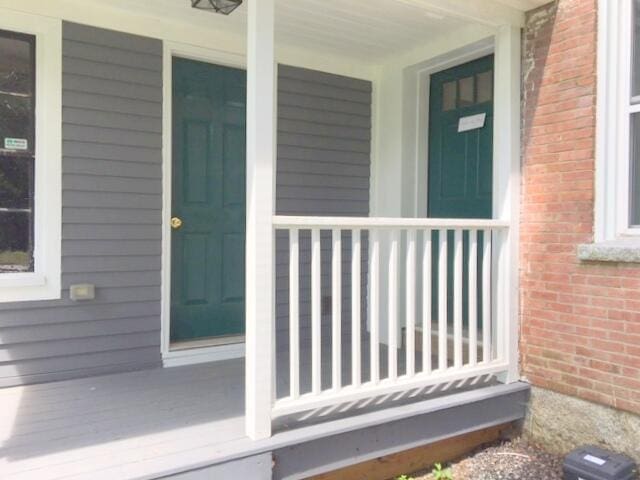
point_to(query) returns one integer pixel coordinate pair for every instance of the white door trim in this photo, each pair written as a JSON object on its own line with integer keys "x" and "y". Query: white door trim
{"x": 193, "y": 355}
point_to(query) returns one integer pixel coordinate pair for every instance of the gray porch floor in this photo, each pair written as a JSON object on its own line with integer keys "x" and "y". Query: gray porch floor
{"x": 146, "y": 423}
{"x": 123, "y": 425}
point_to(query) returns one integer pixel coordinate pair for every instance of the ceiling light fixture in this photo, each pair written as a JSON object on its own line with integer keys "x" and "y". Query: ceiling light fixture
{"x": 219, "y": 6}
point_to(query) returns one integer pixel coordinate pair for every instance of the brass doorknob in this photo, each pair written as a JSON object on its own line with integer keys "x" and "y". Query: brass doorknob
{"x": 176, "y": 223}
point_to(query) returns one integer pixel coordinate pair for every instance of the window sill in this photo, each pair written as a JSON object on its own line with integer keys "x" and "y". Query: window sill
{"x": 27, "y": 287}
{"x": 623, "y": 250}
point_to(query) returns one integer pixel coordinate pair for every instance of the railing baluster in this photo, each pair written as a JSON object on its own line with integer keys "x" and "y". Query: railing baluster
{"x": 442, "y": 300}
{"x": 393, "y": 305}
{"x": 426, "y": 302}
{"x": 356, "y": 338}
{"x": 486, "y": 297}
{"x": 316, "y": 313}
{"x": 473, "y": 297}
{"x": 457, "y": 299}
{"x": 336, "y": 309}
{"x": 294, "y": 313}
{"x": 411, "y": 302}
{"x": 374, "y": 314}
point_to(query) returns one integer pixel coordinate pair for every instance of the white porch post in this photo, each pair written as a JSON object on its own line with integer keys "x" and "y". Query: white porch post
{"x": 261, "y": 128}
{"x": 507, "y": 192}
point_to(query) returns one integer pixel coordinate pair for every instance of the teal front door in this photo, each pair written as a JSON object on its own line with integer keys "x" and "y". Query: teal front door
{"x": 460, "y": 160}
{"x": 208, "y": 201}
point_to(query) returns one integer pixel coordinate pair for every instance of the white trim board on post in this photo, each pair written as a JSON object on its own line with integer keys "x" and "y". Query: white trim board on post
{"x": 506, "y": 188}
{"x": 260, "y": 254}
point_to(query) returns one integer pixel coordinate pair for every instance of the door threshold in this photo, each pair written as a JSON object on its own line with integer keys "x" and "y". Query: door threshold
{"x": 205, "y": 342}
{"x": 204, "y": 351}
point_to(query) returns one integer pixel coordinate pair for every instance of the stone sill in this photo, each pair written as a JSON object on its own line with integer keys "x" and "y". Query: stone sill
{"x": 625, "y": 250}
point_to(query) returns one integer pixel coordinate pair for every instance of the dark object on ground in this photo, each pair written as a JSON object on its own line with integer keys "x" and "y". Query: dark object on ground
{"x": 593, "y": 463}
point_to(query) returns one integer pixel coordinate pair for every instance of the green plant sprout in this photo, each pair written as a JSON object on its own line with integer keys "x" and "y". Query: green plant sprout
{"x": 441, "y": 474}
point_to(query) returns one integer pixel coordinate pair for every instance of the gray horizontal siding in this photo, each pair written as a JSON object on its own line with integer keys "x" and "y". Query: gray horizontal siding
{"x": 112, "y": 187}
{"x": 324, "y": 148}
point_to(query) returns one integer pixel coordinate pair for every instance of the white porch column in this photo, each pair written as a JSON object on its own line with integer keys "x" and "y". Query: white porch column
{"x": 261, "y": 134}
{"x": 506, "y": 189}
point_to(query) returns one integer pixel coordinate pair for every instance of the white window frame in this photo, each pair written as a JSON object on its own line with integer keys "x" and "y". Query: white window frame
{"x": 44, "y": 282}
{"x": 614, "y": 109}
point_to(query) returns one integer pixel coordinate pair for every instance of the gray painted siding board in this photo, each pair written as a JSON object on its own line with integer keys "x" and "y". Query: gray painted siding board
{"x": 112, "y": 56}
{"x": 107, "y": 199}
{"x": 316, "y": 89}
{"x": 54, "y": 368}
{"x": 111, "y": 168}
{"x": 322, "y": 155}
{"x": 75, "y": 346}
{"x": 140, "y": 263}
{"x": 320, "y": 117}
{"x": 111, "y": 136}
{"x": 108, "y": 232}
{"x": 325, "y": 104}
{"x": 334, "y": 131}
{"x": 111, "y": 216}
{"x": 323, "y": 78}
{"x": 98, "y": 102}
{"x": 138, "y": 123}
{"x": 95, "y": 69}
{"x": 96, "y": 183}
{"x": 114, "y": 88}
{"x": 78, "y": 313}
{"x": 63, "y": 331}
{"x": 110, "y": 38}
{"x": 112, "y": 164}
{"x": 109, "y": 152}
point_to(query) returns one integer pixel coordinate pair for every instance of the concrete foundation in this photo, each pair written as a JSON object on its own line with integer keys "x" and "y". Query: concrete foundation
{"x": 561, "y": 422}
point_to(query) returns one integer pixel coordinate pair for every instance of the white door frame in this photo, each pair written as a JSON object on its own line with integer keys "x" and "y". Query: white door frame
{"x": 202, "y": 354}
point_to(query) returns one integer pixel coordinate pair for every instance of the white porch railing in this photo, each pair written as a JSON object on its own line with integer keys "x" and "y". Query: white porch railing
{"x": 434, "y": 278}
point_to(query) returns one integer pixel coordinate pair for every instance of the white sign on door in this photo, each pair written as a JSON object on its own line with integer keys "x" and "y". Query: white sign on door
{"x": 471, "y": 122}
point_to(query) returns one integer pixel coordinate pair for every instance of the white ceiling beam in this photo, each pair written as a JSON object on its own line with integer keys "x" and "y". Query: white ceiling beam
{"x": 485, "y": 12}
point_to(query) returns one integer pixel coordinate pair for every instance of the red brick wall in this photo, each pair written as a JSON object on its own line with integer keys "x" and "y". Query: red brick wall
{"x": 580, "y": 322}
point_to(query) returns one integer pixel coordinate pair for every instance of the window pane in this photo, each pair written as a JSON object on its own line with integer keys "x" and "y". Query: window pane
{"x": 466, "y": 91}
{"x": 634, "y": 195}
{"x": 16, "y": 91}
{"x": 485, "y": 86}
{"x": 17, "y": 116}
{"x": 449, "y": 96}
{"x": 635, "y": 80}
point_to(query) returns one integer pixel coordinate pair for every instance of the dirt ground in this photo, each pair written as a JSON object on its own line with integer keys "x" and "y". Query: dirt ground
{"x": 511, "y": 460}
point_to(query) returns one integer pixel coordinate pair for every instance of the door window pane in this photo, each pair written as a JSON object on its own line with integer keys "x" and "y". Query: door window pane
{"x": 467, "y": 96}
{"x": 449, "y": 96}
{"x": 485, "y": 86}
{"x": 635, "y": 80}
{"x": 17, "y": 119}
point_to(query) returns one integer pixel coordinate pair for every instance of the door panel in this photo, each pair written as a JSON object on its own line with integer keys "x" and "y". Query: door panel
{"x": 460, "y": 163}
{"x": 207, "y": 258}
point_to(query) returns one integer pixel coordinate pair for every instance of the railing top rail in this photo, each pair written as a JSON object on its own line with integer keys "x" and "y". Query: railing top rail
{"x": 285, "y": 221}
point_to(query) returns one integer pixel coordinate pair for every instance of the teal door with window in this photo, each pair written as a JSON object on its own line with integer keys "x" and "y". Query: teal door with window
{"x": 208, "y": 201}
{"x": 460, "y": 159}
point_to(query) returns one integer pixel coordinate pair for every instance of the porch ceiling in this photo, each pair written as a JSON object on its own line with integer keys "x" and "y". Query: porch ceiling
{"x": 369, "y": 31}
